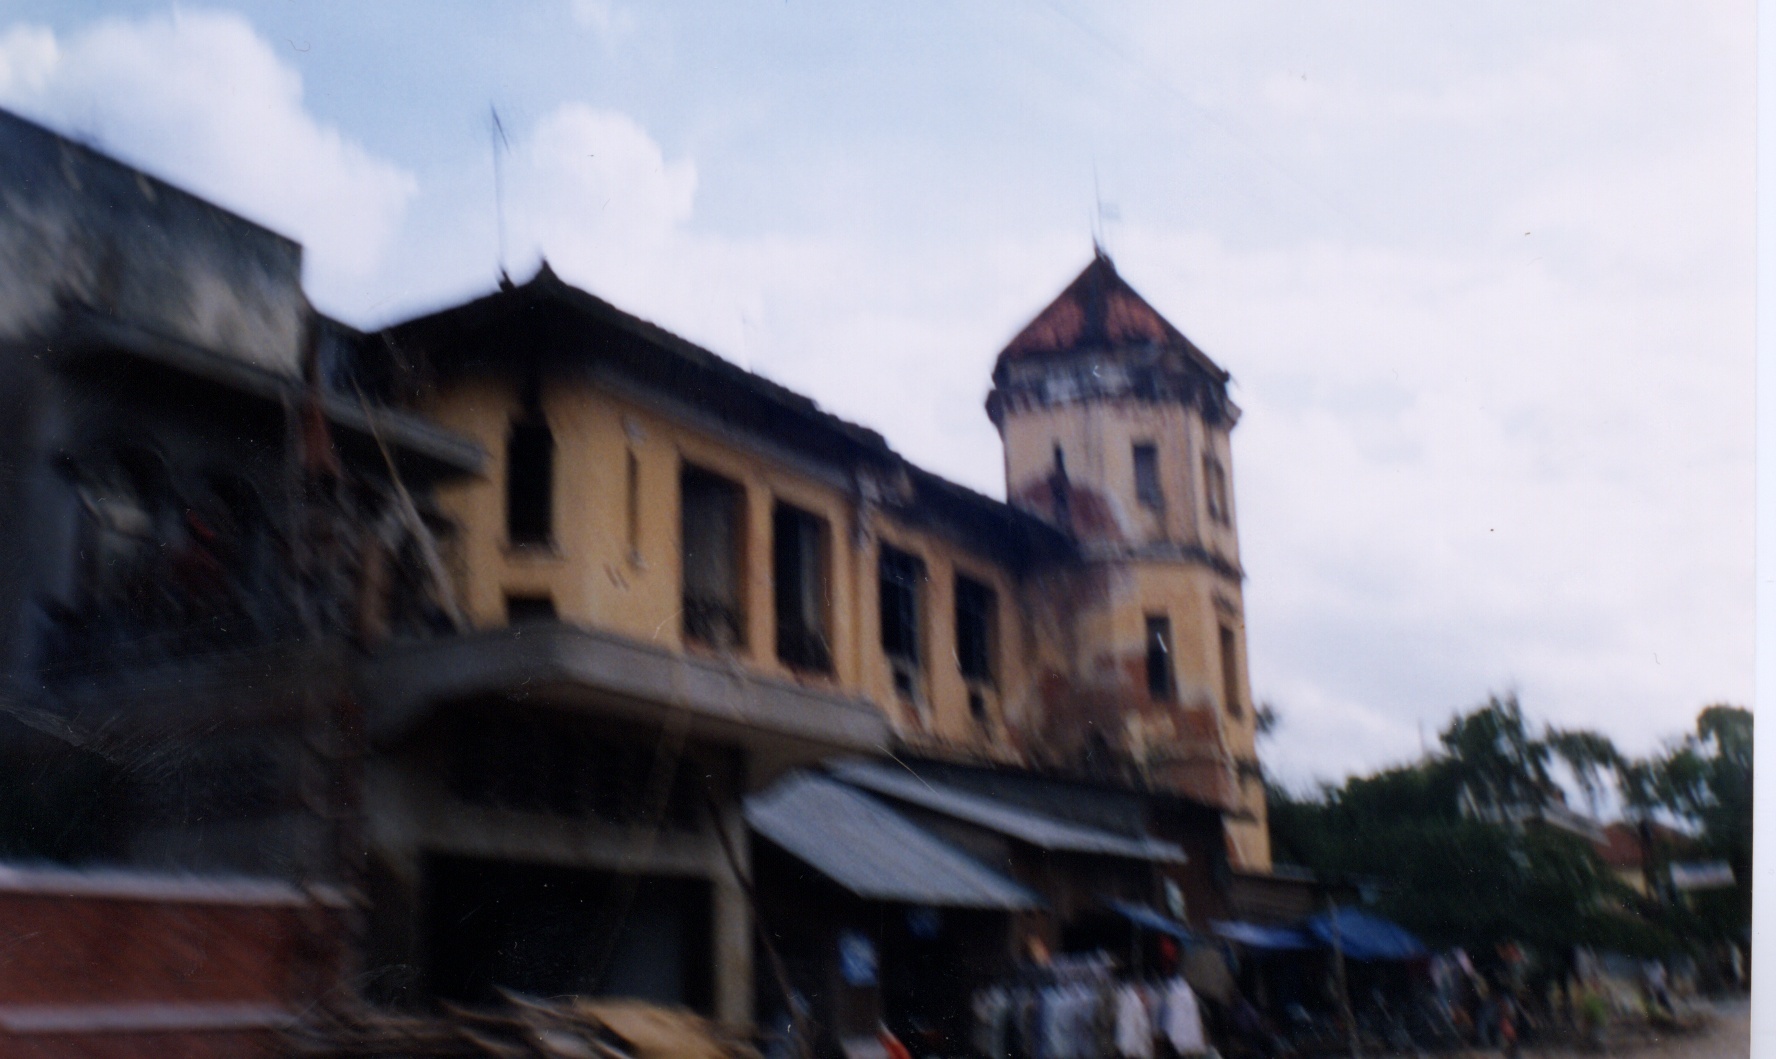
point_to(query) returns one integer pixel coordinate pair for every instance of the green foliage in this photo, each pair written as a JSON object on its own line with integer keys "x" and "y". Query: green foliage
{"x": 1454, "y": 835}
{"x": 1500, "y": 765}
{"x": 1706, "y": 780}
{"x": 1453, "y": 880}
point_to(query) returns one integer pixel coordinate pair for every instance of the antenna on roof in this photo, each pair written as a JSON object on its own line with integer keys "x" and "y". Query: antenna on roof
{"x": 1097, "y": 214}
{"x": 496, "y": 133}
{"x": 1104, "y": 213}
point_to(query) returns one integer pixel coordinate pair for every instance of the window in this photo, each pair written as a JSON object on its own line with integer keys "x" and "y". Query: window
{"x": 1160, "y": 684}
{"x": 976, "y": 613}
{"x": 530, "y": 481}
{"x": 977, "y": 708}
{"x": 1216, "y": 478}
{"x": 632, "y": 498}
{"x": 1063, "y": 498}
{"x": 901, "y": 579}
{"x": 522, "y": 610}
{"x": 1230, "y": 672}
{"x": 1147, "y": 490}
{"x": 799, "y": 559}
{"x": 710, "y": 534}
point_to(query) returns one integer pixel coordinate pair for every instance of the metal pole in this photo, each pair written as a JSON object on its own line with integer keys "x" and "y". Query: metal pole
{"x": 1344, "y": 1000}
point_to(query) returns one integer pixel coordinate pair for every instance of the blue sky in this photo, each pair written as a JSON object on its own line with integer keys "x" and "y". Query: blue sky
{"x": 1482, "y": 272}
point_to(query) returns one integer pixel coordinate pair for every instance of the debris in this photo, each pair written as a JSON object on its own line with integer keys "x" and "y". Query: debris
{"x": 522, "y": 1028}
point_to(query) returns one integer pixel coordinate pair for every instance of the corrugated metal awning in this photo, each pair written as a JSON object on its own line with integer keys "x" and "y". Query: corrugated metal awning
{"x": 1147, "y": 919}
{"x": 1043, "y": 832}
{"x": 874, "y": 852}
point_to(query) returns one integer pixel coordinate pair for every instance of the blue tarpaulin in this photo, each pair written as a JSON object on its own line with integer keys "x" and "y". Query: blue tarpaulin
{"x": 1363, "y": 936}
{"x": 1255, "y": 936}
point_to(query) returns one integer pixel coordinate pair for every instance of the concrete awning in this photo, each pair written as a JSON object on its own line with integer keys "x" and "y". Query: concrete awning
{"x": 874, "y": 852}
{"x": 568, "y": 667}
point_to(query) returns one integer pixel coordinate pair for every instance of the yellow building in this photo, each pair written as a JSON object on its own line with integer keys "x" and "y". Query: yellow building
{"x": 678, "y": 552}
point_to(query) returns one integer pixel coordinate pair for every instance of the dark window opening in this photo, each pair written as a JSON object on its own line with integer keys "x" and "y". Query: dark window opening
{"x": 530, "y": 482}
{"x": 632, "y": 502}
{"x": 127, "y": 505}
{"x": 1147, "y": 488}
{"x": 712, "y": 539}
{"x": 799, "y": 560}
{"x": 1160, "y": 683}
{"x": 1063, "y": 492}
{"x": 976, "y": 614}
{"x": 532, "y": 762}
{"x": 1216, "y": 478}
{"x": 1230, "y": 671}
{"x": 523, "y": 609}
{"x": 977, "y": 707}
{"x": 555, "y": 931}
{"x": 901, "y": 579}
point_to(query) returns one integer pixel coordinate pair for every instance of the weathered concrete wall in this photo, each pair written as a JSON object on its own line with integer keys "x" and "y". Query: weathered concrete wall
{"x": 78, "y": 227}
{"x": 1174, "y": 558}
{"x": 415, "y": 813}
{"x": 1097, "y": 438}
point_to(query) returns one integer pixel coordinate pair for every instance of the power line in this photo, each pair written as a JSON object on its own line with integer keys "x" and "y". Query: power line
{"x": 1137, "y": 65}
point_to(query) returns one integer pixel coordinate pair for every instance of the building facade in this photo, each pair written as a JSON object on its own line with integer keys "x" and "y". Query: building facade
{"x": 555, "y": 650}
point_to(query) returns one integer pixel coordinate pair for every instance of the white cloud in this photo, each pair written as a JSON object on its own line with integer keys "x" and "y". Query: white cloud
{"x": 601, "y": 16}
{"x": 201, "y": 99}
{"x": 28, "y": 55}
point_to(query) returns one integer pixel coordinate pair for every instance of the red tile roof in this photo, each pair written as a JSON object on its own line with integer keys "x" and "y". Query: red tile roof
{"x": 1621, "y": 848}
{"x": 1099, "y": 311}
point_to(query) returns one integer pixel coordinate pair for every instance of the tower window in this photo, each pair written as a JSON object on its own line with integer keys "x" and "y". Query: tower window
{"x": 976, "y": 611}
{"x": 525, "y": 609}
{"x": 798, "y": 556}
{"x": 1216, "y": 478}
{"x": 710, "y": 535}
{"x": 530, "y": 481}
{"x": 1160, "y": 683}
{"x": 1147, "y": 488}
{"x": 1230, "y": 672}
{"x": 900, "y": 584}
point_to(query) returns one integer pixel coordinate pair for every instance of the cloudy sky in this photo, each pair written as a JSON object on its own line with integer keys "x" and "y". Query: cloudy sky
{"x": 1482, "y": 272}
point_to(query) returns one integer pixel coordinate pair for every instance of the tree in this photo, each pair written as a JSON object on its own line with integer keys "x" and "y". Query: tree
{"x": 1502, "y": 769}
{"x": 1456, "y": 839}
{"x": 1706, "y": 781}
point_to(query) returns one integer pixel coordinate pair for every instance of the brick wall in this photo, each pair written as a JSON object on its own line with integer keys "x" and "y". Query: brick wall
{"x": 101, "y": 964}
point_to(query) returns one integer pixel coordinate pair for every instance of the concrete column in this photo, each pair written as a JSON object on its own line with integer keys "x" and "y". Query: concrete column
{"x": 394, "y": 975}
{"x": 731, "y": 921}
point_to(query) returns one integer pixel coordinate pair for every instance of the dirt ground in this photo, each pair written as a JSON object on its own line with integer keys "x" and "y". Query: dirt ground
{"x": 1728, "y": 1036}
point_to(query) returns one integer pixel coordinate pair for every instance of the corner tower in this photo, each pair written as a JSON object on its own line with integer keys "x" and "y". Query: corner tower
{"x": 1116, "y": 428}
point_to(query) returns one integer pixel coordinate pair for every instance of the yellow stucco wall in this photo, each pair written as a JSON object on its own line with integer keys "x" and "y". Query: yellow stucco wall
{"x": 596, "y": 578}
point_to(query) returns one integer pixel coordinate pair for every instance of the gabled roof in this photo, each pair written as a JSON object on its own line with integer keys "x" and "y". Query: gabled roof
{"x": 647, "y": 350}
{"x": 1099, "y": 311}
{"x": 550, "y": 312}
